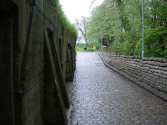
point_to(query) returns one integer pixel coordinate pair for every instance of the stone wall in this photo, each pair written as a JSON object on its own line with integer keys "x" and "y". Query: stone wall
{"x": 152, "y": 71}
{"x": 35, "y": 63}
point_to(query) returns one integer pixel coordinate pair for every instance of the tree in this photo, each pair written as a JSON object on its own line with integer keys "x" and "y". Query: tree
{"x": 122, "y": 26}
{"x": 106, "y": 17}
{"x": 82, "y": 26}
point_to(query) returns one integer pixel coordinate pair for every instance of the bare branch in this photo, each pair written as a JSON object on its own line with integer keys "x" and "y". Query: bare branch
{"x": 91, "y": 5}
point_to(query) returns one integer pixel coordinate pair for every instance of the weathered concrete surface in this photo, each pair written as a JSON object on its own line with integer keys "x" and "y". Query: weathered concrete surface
{"x": 99, "y": 96}
{"x": 30, "y": 62}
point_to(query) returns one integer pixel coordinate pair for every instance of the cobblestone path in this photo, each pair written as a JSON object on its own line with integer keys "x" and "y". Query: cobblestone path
{"x": 99, "y": 96}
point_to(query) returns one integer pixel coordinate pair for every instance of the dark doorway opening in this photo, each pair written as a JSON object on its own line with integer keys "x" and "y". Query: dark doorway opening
{"x": 8, "y": 61}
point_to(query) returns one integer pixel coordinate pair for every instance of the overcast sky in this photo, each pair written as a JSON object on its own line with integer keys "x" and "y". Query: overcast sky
{"x": 78, "y": 8}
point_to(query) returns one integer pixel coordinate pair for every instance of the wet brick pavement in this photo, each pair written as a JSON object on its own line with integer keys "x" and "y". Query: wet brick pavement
{"x": 99, "y": 96}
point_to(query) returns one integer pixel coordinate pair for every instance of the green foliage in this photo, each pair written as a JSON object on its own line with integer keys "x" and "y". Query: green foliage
{"x": 155, "y": 42}
{"x": 65, "y": 22}
{"x": 102, "y": 22}
{"x": 80, "y": 45}
{"x": 122, "y": 26}
{"x": 79, "y": 49}
{"x": 138, "y": 49}
{"x": 82, "y": 27}
{"x": 97, "y": 44}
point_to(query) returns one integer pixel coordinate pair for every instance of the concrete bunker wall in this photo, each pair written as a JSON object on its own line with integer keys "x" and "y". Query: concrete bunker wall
{"x": 35, "y": 63}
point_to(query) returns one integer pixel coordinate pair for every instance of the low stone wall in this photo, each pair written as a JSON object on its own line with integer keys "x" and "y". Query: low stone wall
{"x": 152, "y": 71}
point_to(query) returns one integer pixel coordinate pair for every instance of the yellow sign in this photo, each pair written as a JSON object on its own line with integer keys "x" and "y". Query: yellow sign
{"x": 94, "y": 47}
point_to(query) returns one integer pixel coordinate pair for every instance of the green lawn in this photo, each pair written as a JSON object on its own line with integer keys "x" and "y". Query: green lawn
{"x": 81, "y": 50}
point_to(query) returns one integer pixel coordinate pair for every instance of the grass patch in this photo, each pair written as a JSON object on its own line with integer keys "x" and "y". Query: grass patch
{"x": 95, "y": 50}
{"x": 65, "y": 22}
{"x": 81, "y": 50}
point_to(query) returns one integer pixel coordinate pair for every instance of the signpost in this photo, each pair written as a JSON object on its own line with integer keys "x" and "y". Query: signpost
{"x": 101, "y": 39}
{"x": 94, "y": 47}
{"x": 143, "y": 53}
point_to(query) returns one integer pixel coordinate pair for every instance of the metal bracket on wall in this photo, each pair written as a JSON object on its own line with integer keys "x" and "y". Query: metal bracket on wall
{"x": 70, "y": 45}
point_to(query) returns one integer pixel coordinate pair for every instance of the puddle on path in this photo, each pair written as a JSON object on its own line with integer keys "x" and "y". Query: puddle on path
{"x": 99, "y": 63}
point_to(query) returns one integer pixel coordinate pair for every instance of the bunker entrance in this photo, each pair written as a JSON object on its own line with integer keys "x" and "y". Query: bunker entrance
{"x": 8, "y": 59}
{"x": 70, "y": 50}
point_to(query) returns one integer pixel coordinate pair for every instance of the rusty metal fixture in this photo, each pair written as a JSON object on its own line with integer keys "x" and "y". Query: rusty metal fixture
{"x": 70, "y": 45}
